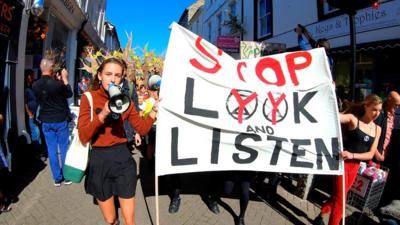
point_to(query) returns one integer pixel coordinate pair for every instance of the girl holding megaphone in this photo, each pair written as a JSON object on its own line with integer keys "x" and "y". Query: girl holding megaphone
{"x": 111, "y": 170}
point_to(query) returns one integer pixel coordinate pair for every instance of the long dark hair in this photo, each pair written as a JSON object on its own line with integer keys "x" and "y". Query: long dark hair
{"x": 96, "y": 82}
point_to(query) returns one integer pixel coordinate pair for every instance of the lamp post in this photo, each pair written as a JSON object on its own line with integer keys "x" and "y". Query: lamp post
{"x": 350, "y": 7}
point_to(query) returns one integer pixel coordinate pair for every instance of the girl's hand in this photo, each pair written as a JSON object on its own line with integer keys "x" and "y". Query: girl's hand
{"x": 138, "y": 139}
{"x": 155, "y": 106}
{"x": 154, "y": 110}
{"x": 104, "y": 113}
{"x": 347, "y": 155}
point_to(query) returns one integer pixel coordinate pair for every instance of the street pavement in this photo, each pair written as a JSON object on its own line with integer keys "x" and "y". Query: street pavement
{"x": 40, "y": 203}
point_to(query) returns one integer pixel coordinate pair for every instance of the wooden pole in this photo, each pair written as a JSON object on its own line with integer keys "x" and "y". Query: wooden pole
{"x": 344, "y": 195}
{"x": 157, "y": 203}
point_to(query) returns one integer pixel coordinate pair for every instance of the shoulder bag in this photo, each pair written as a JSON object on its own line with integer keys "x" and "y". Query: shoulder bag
{"x": 78, "y": 154}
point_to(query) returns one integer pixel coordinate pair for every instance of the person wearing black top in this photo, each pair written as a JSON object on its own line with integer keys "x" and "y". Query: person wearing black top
{"x": 361, "y": 144}
{"x": 52, "y": 95}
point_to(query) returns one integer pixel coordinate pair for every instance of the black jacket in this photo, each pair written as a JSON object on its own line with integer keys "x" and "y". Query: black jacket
{"x": 129, "y": 130}
{"x": 52, "y": 96}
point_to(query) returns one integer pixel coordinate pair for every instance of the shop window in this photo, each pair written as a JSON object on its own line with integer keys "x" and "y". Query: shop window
{"x": 37, "y": 33}
{"x": 327, "y": 11}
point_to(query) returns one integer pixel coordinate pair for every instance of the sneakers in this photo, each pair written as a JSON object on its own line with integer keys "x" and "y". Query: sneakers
{"x": 67, "y": 182}
{"x": 174, "y": 205}
{"x": 57, "y": 183}
{"x": 212, "y": 205}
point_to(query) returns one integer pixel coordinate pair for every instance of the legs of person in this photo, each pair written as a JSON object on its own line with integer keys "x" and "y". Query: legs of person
{"x": 175, "y": 185}
{"x": 51, "y": 141}
{"x": 212, "y": 194}
{"x": 228, "y": 186}
{"x": 35, "y": 133}
{"x": 63, "y": 140}
{"x": 350, "y": 174}
{"x": 150, "y": 151}
{"x": 327, "y": 206}
{"x": 244, "y": 197}
{"x": 35, "y": 136}
{"x": 151, "y": 143}
{"x": 128, "y": 210}
{"x": 107, "y": 208}
{"x": 175, "y": 193}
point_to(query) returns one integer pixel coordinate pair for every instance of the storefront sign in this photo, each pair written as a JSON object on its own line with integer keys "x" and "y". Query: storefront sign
{"x": 10, "y": 18}
{"x": 365, "y": 20}
{"x": 275, "y": 113}
{"x": 250, "y": 49}
{"x": 229, "y": 43}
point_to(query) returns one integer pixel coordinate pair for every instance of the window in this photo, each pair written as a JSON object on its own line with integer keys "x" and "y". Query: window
{"x": 264, "y": 15}
{"x": 219, "y": 22}
{"x": 326, "y": 8}
{"x": 327, "y": 11}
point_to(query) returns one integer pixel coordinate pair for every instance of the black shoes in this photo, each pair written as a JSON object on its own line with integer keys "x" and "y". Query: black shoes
{"x": 239, "y": 221}
{"x": 318, "y": 221}
{"x": 212, "y": 205}
{"x": 174, "y": 205}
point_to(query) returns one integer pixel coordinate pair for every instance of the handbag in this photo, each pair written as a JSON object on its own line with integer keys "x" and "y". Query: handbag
{"x": 77, "y": 156}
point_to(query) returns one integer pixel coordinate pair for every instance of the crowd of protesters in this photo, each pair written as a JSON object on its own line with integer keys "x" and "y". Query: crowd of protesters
{"x": 371, "y": 131}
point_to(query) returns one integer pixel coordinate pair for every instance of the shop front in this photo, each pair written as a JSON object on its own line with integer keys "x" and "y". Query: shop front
{"x": 10, "y": 21}
{"x": 377, "y": 71}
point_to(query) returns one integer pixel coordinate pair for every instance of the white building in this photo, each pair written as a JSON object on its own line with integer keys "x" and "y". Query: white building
{"x": 273, "y": 21}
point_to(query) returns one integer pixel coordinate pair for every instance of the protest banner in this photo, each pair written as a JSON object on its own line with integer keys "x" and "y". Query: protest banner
{"x": 276, "y": 113}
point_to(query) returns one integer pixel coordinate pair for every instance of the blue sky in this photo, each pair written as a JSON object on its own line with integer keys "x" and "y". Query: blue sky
{"x": 147, "y": 20}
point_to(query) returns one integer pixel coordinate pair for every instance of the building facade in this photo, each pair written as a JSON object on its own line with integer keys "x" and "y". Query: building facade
{"x": 377, "y": 38}
{"x": 273, "y": 21}
{"x": 28, "y": 30}
{"x": 111, "y": 39}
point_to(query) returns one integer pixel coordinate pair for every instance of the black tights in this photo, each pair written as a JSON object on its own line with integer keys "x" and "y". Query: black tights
{"x": 244, "y": 194}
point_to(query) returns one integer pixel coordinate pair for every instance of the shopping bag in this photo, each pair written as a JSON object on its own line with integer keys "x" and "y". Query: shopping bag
{"x": 77, "y": 156}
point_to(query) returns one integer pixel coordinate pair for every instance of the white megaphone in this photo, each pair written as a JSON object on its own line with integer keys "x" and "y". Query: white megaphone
{"x": 154, "y": 82}
{"x": 119, "y": 102}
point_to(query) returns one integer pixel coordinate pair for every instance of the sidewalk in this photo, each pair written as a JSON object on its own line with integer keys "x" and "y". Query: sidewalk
{"x": 43, "y": 204}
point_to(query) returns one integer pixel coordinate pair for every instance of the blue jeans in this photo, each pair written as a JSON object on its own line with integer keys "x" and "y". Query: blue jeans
{"x": 57, "y": 137}
{"x": 35, "y": 133}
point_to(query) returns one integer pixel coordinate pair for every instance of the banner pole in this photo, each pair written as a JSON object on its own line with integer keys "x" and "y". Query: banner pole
{"x": 344, "y": 196}
{"x": 157, "y": 201}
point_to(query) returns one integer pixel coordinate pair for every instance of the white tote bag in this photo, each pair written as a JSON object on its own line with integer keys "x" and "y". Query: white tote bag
{"x": 78, "y": 154}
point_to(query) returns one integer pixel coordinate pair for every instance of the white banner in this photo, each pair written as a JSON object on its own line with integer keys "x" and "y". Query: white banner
{"x": 275, "y": 113}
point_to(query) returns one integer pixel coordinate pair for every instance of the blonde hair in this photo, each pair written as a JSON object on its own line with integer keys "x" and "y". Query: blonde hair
{"x": 358, "y": 109}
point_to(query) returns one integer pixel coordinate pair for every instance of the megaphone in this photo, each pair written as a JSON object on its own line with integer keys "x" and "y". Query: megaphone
{"x": 119, "y": 102}
{"x": 37, "y": 7}
{"x": 154, "y": 82}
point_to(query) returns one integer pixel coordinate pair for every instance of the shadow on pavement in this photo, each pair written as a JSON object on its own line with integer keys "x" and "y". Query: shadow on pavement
{"x": 25, "y": 165}
{"x": 268, "y": 194}
{"x": 197, "y": 184}
{"x": 358, "y": 218}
